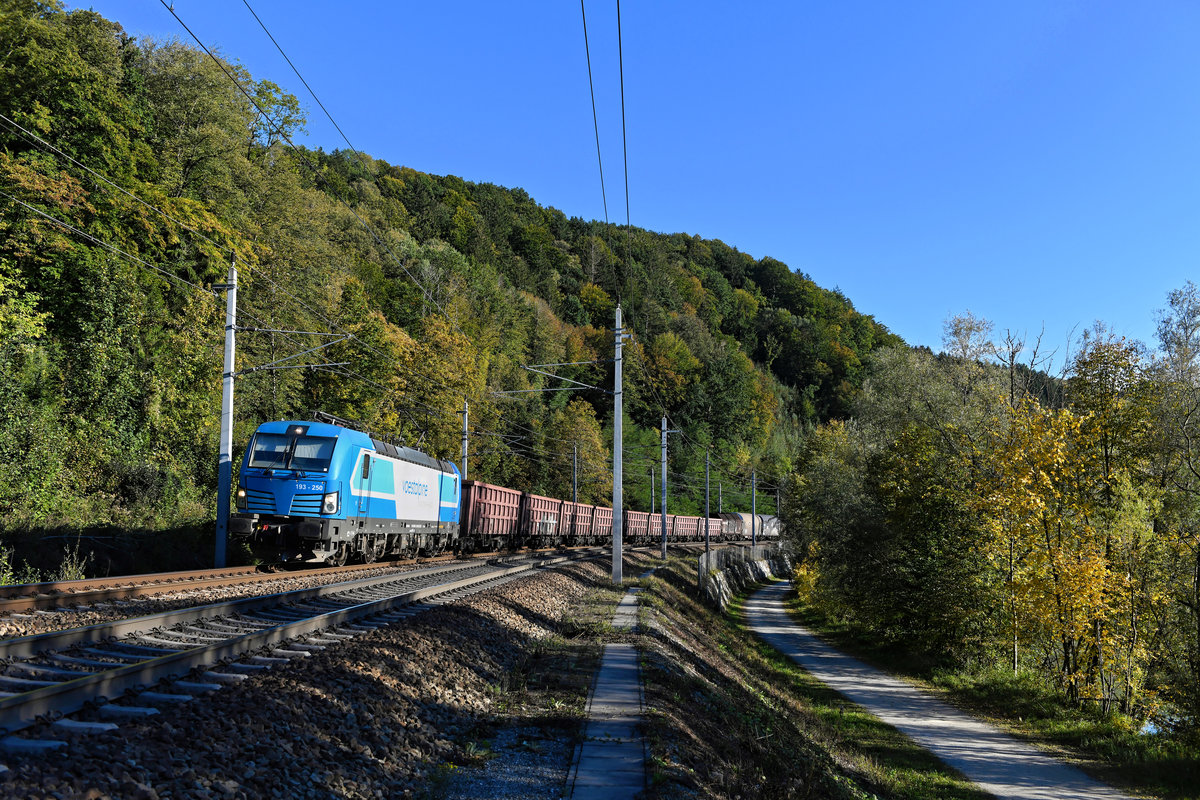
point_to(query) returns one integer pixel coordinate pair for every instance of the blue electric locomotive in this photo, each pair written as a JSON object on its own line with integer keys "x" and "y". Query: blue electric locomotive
{"x": 321, "y": 492}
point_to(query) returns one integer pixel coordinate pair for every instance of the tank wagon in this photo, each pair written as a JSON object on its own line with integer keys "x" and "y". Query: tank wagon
{"x": 324, "y": 492}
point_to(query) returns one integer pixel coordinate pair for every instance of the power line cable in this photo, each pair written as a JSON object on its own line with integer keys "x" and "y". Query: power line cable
{"x": 283, "y": 135}
{"x": 101, "y": 243}
{"x": 301, "y": 77}
{"x": 624, "y": 140}
{"x": 316, "y": 172}
{"x": 103, "y": 179}
{"x": 595, "y": 119}
{"x": 625, "y": 157}
{"x": 359, "y": 155}
{"x": 245, "y": 313}
{"x": 34, "y": 137}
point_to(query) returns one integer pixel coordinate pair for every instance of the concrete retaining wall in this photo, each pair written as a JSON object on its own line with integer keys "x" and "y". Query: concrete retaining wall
{"x": 725, "y": 572}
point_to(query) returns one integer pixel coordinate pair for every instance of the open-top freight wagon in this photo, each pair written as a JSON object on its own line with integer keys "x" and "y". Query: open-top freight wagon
{"x": 497, "y": 518}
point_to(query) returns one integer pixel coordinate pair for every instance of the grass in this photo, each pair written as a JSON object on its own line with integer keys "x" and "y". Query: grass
{"x": 592, "y": 617}
{"x": 1109, "y": 747}
{"x": 11, "y": 574}
{"x": 546, "y": 688}
{"x": 732, "y": 717}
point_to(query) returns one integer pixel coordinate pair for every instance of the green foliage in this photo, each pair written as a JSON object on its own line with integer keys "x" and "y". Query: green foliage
{"x": 110, "y": 373}
{"x": 10, "y": 575}
{"x": 976, "y": 516}
{"x": 20, "y": 321}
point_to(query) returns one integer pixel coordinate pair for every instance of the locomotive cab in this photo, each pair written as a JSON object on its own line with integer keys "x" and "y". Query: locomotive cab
{"x": 289, "y": 492}
{"x": 319, "y": 492}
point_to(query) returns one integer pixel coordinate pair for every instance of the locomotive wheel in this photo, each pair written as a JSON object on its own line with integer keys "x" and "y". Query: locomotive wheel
{"x": 338, "y": 558}
{"x": 374, "y": 549}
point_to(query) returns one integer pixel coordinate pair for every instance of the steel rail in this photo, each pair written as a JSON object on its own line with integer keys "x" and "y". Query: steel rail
{"x": 35, "y": 644}
{"x": 33, "y": 596}
{"x": 70, "y": 589}
{"x": 26, "y": 709}
{"x": 15, "y": 598}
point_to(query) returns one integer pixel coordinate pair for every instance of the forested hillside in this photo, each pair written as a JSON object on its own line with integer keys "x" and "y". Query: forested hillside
{"x": 133, "y": 173}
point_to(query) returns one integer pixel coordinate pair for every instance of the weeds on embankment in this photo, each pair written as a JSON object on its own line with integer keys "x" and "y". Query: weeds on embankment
{"x": 728, "y": 716}
{"x": 32, "y": 555}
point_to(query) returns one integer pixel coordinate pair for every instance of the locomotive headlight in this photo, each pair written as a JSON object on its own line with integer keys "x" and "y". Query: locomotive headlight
{"x": 330, "y": 504}
{"x": 241, "y": 499}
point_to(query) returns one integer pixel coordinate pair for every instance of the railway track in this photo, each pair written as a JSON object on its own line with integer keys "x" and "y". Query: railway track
{"x": 20, "y": 598}
{"x": 105, "y": 669}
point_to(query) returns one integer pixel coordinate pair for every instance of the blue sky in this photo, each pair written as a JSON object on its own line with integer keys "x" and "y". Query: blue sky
{"x": 1036, "y": 163}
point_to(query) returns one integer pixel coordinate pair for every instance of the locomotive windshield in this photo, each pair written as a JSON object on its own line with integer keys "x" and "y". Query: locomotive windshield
{"x": 289, "y": 451}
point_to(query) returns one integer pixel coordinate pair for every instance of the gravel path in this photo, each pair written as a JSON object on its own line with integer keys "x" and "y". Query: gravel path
{"x": 997, "y": 762}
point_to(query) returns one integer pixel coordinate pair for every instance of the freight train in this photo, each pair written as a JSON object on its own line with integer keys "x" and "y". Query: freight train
{"x": 322, "y": 492}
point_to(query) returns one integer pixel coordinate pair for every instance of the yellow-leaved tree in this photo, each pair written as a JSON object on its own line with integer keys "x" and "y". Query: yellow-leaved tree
{"x": 1064, "y": 556}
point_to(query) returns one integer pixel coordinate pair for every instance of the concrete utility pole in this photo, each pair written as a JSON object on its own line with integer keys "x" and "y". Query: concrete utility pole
{"x": 753, "y": 511}
{"x": 465, "y": 437}
{"x": 707, "y": 452}
{"x": 225, "y": 458}
{"x": 664, "y": 486}
{"x": 720, "y": 497}
{"x": 574, "y": 472}
{"x": 618, "y": 455}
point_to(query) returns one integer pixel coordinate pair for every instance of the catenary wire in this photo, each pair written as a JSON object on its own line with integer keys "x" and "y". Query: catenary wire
{"x": 105, "y": 180}
{"x": 642, "y": 366}
{"x": 359, "y": 156}
{"x": 101, "y": 243}
{"x": 316, "y": 172}
{"x": 245, "y": 313}
{"x": 30, "y": 135}
{"x": 595, "y": 119}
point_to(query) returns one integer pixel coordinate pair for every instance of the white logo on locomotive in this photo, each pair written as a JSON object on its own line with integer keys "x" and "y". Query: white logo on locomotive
{"x": 415, "y": 488}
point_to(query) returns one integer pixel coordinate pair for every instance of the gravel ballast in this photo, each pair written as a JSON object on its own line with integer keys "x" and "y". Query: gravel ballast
{"x": 67, "y": 616}
{"x": 387, "y": 714}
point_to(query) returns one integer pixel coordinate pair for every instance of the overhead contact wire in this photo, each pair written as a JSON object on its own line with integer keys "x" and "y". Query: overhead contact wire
{"x": 595, "y": 118}
{"x": 283, "y": 135}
